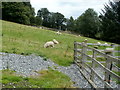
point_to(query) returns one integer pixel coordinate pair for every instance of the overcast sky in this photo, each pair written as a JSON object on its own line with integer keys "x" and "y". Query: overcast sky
{"x": 69, "y": 7}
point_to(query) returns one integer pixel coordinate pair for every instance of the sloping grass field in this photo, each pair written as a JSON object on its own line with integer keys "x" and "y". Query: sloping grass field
{"x": 26, "y": 40}
{"x": 22, "y": 39}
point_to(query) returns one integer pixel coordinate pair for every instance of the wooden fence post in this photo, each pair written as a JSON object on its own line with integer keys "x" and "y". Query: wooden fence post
{"x": 75, "y": 52}
{"x": 93, "y": 65}
{"x": 109, "y": 66}
{"x": 113, "y": 46}
{"x": 84, "y": 51}
{"x": 106, "y": 74}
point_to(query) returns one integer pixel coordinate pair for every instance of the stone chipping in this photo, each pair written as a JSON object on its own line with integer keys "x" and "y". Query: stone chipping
{"x": 29, "y": 65}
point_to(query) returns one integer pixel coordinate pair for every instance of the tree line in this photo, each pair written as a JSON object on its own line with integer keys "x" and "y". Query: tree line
{"x": 105, "y": 26}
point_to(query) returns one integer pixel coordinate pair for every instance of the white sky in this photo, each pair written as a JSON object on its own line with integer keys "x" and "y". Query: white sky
{"x": 69, "y": 7}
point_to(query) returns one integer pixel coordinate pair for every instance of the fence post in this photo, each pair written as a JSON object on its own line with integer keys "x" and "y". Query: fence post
{"x": 84, "y": 51}
{"x": 113, "y": 46}
{"x": 106, "y": 74}
{"x": 75, "y": 52}
{"x": 109, "y": 66}
{"x": 93, "y": 64}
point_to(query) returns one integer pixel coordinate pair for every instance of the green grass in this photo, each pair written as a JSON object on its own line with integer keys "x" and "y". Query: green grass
{"x": 101, "y": 59}
{"x": 46, "y": 79}
{"x": 25, "y": 40}
{"x": 117, "y": 48}
{"x": 21, "y": 39}
{"x": 117, "y": 81}
{"x": 118, "y": 65}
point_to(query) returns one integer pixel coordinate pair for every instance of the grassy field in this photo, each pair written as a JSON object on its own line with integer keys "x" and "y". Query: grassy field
{"x": 25, "y": 40}
{"x": 46, "y": 79}
{"x": 22, "y": 39}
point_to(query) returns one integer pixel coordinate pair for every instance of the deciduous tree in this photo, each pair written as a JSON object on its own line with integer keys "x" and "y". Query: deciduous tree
{"x": 88, "y": 23}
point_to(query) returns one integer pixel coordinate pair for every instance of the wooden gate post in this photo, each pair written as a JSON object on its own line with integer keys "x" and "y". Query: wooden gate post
{"x": 93, "y": 65}
{"x": 75, "y": 52}
{"x": 106, "y": 74}
{"x": 84, "y": 51}
{"x": 109, "y": 66}
{"x": 113, "y": 46}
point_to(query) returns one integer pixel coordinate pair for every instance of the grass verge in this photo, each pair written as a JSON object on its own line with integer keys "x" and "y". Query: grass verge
{"x": 46, "y": 79}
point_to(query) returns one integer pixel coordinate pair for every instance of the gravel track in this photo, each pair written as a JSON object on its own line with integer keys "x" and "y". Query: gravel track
{"x": 29, "y": 65}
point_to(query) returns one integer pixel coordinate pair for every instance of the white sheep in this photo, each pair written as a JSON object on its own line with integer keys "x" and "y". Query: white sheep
{"x": 58, "y": 33}
{"x": 109, "y": 50}
{"x": 106, "y": 44}
{"x": 85, "y": 40}
{"x": 55, "y": 41}
{"x": 79, "y": 35}
{"x": 98, "y": 43}
{"x": 50, "y": 43}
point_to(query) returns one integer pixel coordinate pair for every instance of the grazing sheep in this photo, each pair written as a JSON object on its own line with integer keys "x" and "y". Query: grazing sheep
{"x": 58, "y": 33}
{"x": 106, "y": 44}
{"x": 109, "y": 50}
{"x": 55, "y": 41}
{"x": 50, "y": 43}
{"x": 85, "y": 40}
{"x": 40, "y": 27}
{"x": 98, "y": 43}
{"x": 77, "y": 35}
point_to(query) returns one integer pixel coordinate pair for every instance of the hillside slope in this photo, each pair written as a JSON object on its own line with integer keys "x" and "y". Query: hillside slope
{"x": 22, "y": 39}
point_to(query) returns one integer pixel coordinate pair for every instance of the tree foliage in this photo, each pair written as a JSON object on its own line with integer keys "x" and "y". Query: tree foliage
{"x": 110, "y": 22}
{"x": 38, "y": 21}
{"x": 88, "y": 23}
{"x": 19, "y": 12}
{"x": 58, "y": 19}
{"x": 44, "y": 13}
{"x": 71, "y": 24}
{"x": 51, "y": 19}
